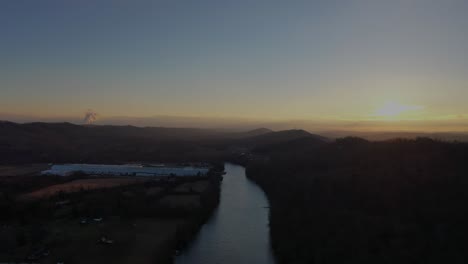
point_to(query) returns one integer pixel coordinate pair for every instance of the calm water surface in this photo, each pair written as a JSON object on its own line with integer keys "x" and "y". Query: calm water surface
{"x": 238, "y": 230}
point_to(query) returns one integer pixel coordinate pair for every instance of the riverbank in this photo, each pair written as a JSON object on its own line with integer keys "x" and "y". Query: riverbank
{"x": 237, "y": 231}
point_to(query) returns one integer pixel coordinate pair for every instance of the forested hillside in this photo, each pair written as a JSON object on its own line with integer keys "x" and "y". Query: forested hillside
{"x": 354, "y": 201}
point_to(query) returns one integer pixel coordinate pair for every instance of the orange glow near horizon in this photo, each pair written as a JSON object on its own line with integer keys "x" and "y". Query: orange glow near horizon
{"x": 392, "y": 110}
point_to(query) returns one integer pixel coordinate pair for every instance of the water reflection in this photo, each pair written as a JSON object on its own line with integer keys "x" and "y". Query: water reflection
{"x": 238, "y": 230}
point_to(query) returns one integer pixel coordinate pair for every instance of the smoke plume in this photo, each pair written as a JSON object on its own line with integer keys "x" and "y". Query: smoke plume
{"x": 90, "y": 117}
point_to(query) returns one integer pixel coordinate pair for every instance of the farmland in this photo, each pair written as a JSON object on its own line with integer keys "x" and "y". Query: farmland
{"x": 112, "y": 219}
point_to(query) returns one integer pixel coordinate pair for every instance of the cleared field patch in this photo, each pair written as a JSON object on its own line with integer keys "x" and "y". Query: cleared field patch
{"x": 139, "y": 241}
{"x": 154, "y": 190}
{"x": 181, "y": 201}
{"x": 83, "y": 184}
{"x": 22, "y": 170}
{"x": 197, "y": 187}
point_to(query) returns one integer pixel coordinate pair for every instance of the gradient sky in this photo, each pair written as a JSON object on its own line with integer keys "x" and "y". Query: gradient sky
{"x": 327, "y": 60}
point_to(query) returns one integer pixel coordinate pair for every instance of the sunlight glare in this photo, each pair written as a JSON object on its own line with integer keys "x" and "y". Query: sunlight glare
{"x": 394, "y": 109}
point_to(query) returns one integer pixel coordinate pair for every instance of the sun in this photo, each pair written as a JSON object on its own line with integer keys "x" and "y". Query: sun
{"x": 395, "y": 109}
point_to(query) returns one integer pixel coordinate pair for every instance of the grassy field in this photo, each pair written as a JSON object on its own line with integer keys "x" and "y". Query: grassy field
{"x": 146, "y": 220}
{"x": 82, "y": 184}
{"x": 144, "y": 240}
{"x": 196, "y": 187}
{"x": 181, "y": 201}
{"x": 22, "y": 170}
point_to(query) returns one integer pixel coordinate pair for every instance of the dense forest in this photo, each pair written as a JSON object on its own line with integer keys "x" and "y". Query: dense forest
{"x": 355, "y": 201}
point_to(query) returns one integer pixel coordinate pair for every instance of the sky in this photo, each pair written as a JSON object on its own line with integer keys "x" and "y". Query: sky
{"x": 394, "y": 64}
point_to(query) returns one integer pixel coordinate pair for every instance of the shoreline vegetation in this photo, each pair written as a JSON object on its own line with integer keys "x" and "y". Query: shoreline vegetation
{"x": 355, "y": 201}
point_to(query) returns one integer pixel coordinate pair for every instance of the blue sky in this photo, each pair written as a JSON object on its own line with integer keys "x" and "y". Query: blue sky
{"x": 327, "y": 60}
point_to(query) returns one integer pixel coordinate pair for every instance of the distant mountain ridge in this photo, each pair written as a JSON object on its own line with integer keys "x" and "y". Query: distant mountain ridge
{"x": 283, "y": 136}
{"x": 65, "y": 142}
{"x": 69, "y": 129}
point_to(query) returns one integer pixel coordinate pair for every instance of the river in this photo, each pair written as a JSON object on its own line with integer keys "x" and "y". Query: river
{"x": 237, "y": 232}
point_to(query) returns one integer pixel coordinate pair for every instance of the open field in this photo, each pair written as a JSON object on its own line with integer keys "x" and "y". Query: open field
{"x": 115, "y": 220}
{"x": 197, "y": 187}
{"x": 154, "y": 190}
{"x": 12, "y": 170}
{"x": 181, "y": 201}
{"x": 143, "y": 240}
{"x": 82, "y": 184}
